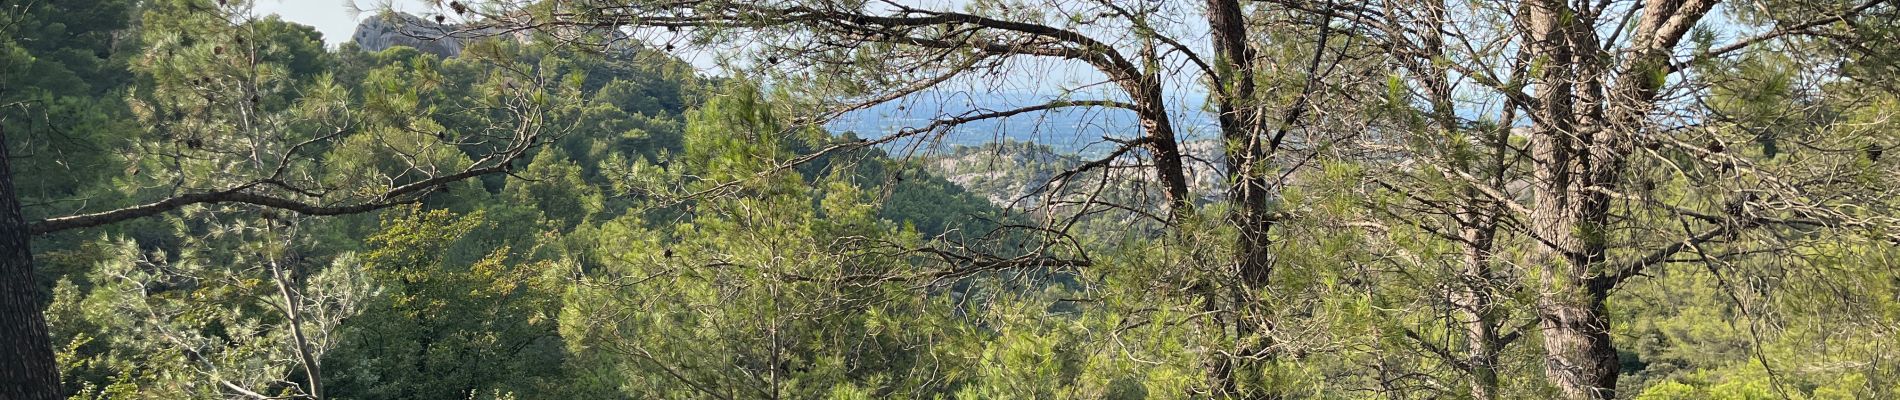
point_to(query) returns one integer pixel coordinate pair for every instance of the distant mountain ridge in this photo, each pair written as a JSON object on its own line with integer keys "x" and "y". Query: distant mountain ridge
{"x": 1013, "y": 173}
{"x": 1076, "y": 131}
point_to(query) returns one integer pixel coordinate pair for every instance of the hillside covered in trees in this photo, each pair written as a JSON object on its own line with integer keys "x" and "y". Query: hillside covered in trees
{"x": 1602, "y": 199}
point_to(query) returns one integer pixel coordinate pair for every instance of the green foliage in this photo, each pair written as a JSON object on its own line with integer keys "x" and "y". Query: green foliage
{"x": 151, "y": 324}
{"x": 62, "y": 70}
{"x": 449, "y": 331}
{"x": 750, "y": 295}
{"x": 678, "y": 236}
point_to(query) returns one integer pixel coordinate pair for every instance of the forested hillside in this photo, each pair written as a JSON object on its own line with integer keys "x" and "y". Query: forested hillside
{"x": 1616, "y": 199}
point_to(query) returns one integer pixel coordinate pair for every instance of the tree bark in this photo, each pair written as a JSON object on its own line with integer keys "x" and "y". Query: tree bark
{"x": 293, "y": 313}
{"x": 1582, "y": 360}
{"x": 1566, "y": 220}
{"x": 27, "y": 371}
{"x": 1153, "y": 114}
{"x": 1581, "y": 135}
{"x": 1248, "y": 149}
{"x": 1474, "y": 300}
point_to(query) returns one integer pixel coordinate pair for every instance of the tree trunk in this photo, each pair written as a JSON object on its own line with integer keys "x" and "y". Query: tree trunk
{"x": 1582, "y": 361}
{"x": 1152, "y": 111}
{"x": 1482, "y": 356}
{"x": 1248, "y": 151}
{"x": 27, "y": 371}
{"x": 1568, "y": 218}
{"x": 1475, "y": 301}
{"x": 292, "y": 313}
{"x": 1567, "y": 225}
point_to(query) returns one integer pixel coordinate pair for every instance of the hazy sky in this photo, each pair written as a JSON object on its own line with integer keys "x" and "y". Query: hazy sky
{"x": 335, "y": 18}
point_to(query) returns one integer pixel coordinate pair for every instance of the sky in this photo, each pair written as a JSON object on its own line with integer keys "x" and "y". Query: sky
{"x": 335, "y": 18}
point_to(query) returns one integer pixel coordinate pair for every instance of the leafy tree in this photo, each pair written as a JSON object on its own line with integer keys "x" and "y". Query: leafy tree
{"x": 1629, "y": 199}
{"x": 449, "y": 331}
{"x": 1588, "y": 176}
{"x": 768, "y": 293}
{"x": 235, "y": 114}
{"x": 190, "y": 325}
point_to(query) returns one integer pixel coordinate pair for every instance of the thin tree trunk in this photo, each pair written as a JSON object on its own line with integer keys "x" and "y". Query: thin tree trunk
{"x": 1152, "y": 111}
{"x": 1475, "y": 301}
{"x": 293, "y": 313}
{"x": 1482, "y": 356}
{"x": 1476, "y": 215}
{"x": 1247, "y": 152}
{"x": 27, "y": 371}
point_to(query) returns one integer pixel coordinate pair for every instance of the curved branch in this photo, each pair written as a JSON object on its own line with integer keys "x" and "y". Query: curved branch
{"x": 1636, "y": 267}
{"x": 1774, "y": 34}
{"x": 408, "y": 193}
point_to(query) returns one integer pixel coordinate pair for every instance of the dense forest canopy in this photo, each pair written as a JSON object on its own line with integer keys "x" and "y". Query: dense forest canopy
{"x": 1598, "y": 199}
